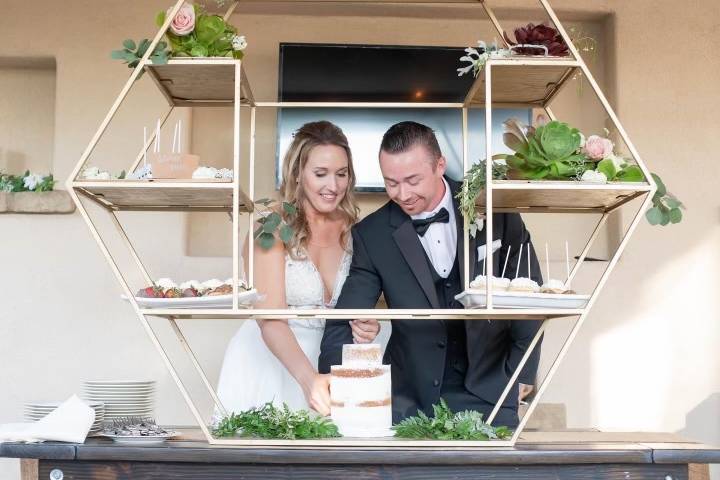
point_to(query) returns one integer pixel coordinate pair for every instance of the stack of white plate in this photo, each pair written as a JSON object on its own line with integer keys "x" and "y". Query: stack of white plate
{"x": 36, "y": 411}
{"x": 122, "y": 398}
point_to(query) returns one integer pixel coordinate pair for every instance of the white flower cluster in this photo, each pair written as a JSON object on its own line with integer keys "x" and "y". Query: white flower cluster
{"x": 212, "y": 172}
{"x": 94, "y": 173}
{"x": 477, "y": 60}
{"x": 239, "y": 43}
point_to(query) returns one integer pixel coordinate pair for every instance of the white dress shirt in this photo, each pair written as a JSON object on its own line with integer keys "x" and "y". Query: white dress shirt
{"x": 440, "y": 240}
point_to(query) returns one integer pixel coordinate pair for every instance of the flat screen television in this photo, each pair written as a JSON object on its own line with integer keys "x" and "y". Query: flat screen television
{"x": 382, "y": 73}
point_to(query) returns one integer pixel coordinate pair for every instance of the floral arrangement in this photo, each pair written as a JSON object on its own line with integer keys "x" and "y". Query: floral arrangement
{"x": 195, "y": 33}
{"x": 269, "y": 421}
{"x": 534, "y": 39}
{"x": 557, "y": 151}
{"x": 27, "y": 182}
{"x": 192, "y": 33}
{"x": 446, "y": 425}
{"x": 530, "y": 40}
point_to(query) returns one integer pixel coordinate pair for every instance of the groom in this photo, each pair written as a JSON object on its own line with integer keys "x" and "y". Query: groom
{"x": 411, "y": 250}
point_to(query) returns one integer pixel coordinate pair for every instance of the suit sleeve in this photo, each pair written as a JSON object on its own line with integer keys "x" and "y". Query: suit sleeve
{"x": 522, "y": 332}
{"x": 361, "y": 290}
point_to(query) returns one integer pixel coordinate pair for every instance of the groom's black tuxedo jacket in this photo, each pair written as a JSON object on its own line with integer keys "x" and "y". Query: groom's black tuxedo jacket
{"x": 388, "y": 258}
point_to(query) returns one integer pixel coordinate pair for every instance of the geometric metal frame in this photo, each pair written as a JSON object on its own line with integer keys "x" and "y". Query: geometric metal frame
{"x": 168, "y": 195}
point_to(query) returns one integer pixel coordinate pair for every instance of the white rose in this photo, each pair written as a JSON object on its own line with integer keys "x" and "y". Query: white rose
{"x": 239, "y": 42}
{"x": 32, "y": 181}
{"x": 205, "y": 172}
{"x": 593, "y": 177}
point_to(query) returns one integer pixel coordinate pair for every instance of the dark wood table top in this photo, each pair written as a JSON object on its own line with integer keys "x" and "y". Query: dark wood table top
{"x": 534, "y": 448}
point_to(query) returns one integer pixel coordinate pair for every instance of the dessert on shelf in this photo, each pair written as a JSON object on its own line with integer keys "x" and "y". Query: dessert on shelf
{"x": 360, "y": 392}
{"x": 167, "y": 288}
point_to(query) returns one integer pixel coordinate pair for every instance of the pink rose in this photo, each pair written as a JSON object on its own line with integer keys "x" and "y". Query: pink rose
{"x": 597, "y": 147}
{"x": 184, "y": 22}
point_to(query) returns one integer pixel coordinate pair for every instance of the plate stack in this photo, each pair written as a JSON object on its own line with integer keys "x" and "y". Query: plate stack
{"x": 122, "y": 398}
{"x": 36, "y": 411}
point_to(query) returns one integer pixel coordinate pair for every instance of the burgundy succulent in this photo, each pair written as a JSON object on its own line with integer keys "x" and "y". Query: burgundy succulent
{"x": 538, "y": 35}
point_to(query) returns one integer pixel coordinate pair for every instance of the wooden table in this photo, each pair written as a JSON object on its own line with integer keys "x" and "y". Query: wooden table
{"x": 567, "y": 455}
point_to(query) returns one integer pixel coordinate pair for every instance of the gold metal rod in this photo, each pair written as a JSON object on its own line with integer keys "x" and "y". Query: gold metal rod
{"x": 193, "y": 358}
{"x": 133, "y": 252}
{"x": 488, "y": 264}
{"x": 516, "y": 373}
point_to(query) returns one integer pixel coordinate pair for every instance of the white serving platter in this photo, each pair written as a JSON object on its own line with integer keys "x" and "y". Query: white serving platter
{"x": 476, "y": 299}
{"x": 213, "y": 301}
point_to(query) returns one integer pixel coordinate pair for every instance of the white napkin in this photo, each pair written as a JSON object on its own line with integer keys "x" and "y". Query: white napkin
{"x": 70, "y": 422}
{"x": 481, "y": 249}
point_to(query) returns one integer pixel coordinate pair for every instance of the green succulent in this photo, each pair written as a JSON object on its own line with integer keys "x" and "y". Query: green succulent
{"x": 548, "y": 152}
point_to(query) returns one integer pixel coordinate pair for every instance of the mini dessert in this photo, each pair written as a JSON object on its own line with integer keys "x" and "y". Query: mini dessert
{"x": 524, "y": 284}
{"x": 209, "y": 285}
{"x": 360, "y": 392}
{"x": 553, "y": 286}
{"x": 173, "y": 293}
{"x": 150, "y": 292}
{"x": 498, "y": 283}
{"x": 221, "y": 290}
{"x": 190, "y": 292}
{"x": 165, "y": 284}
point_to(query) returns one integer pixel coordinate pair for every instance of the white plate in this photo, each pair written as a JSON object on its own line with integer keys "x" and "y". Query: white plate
{"x": 476, "y": 299}
{"x": 215, "y": 301}
{"x": 154, "y": 440}
{"x": 121, "y": 391}
{"x": 119, "y": 382}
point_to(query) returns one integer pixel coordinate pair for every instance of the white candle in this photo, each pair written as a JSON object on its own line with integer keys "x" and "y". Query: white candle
{"x": 507, "y": 257}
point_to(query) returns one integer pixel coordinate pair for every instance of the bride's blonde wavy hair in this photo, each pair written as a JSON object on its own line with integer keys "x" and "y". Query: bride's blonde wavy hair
{"x": 305, "y": 139}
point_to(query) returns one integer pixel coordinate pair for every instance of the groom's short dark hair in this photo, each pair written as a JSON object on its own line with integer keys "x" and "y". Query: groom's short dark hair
{"x": 405, "y": 135}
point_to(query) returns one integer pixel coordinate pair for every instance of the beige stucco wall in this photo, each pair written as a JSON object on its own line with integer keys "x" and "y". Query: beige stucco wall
{"x": 647, "y": 359}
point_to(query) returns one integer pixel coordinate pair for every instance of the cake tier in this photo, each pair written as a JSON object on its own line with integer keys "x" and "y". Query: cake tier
{"x": 351, "y": 386}
{"x": 362, "y": 354}
{"x": 364, "y": 422}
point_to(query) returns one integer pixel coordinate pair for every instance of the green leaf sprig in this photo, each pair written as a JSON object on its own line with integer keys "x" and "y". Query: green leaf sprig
{"x": 16, "y": 183}
{"x": 446, "y": 425}
{"x": 271, "y": 221}
{"x": 666, "y": 207}
{"x": 474, "y": 183}
{"x": 269, "y": 421}
{"x": 132, "y": 53}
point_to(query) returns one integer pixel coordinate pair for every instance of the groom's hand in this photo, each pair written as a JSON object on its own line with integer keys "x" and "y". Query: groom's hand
{"x": 318, "y": 394}
{"x": 365, "y": 331}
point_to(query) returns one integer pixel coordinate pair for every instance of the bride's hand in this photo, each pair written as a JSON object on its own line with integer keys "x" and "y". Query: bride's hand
{"x": 317, "y": 394}
{"x": 365, "y": 331}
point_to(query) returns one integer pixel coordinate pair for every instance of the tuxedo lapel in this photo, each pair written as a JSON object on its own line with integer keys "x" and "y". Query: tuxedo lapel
{"x": 412, "y": 251}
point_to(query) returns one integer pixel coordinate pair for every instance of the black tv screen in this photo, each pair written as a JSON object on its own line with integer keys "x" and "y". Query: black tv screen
{"x": 380, "y": 73}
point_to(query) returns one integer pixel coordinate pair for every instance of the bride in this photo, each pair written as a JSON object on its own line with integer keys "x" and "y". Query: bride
{"x": 276, "y": 360}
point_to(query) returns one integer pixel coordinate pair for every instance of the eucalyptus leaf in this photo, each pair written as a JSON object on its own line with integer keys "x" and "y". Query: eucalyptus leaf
{"x": 129, "y": 44}
{"x": 286, "y": 233}
{"x": 654, "y": 216}
{"x": 675, "y": 215}
{"x": 266, "y": 240}
{"x": 289, "y": 208}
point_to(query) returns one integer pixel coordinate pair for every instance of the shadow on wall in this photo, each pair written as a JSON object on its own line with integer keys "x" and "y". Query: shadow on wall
{"x": 698, "y": 428}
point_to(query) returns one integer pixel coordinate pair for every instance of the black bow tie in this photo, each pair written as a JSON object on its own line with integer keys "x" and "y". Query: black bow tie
{"x": 422, "y": 225}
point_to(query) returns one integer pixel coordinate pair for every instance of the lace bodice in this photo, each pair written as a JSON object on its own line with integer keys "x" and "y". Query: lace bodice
{"x": 304, "y": 287}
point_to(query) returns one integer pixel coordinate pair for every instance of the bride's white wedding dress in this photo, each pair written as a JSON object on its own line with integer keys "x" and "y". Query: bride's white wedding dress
{"x": 251, "y": 375}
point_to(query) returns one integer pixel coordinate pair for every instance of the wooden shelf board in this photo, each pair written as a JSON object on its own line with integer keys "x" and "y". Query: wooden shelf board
{"x": 560, "y": 197}
{"x": 419, "y": 314}
{"x": 197, "y": 82}
{"x": 521, "y": 82}
{"x": 163, "y": 195}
